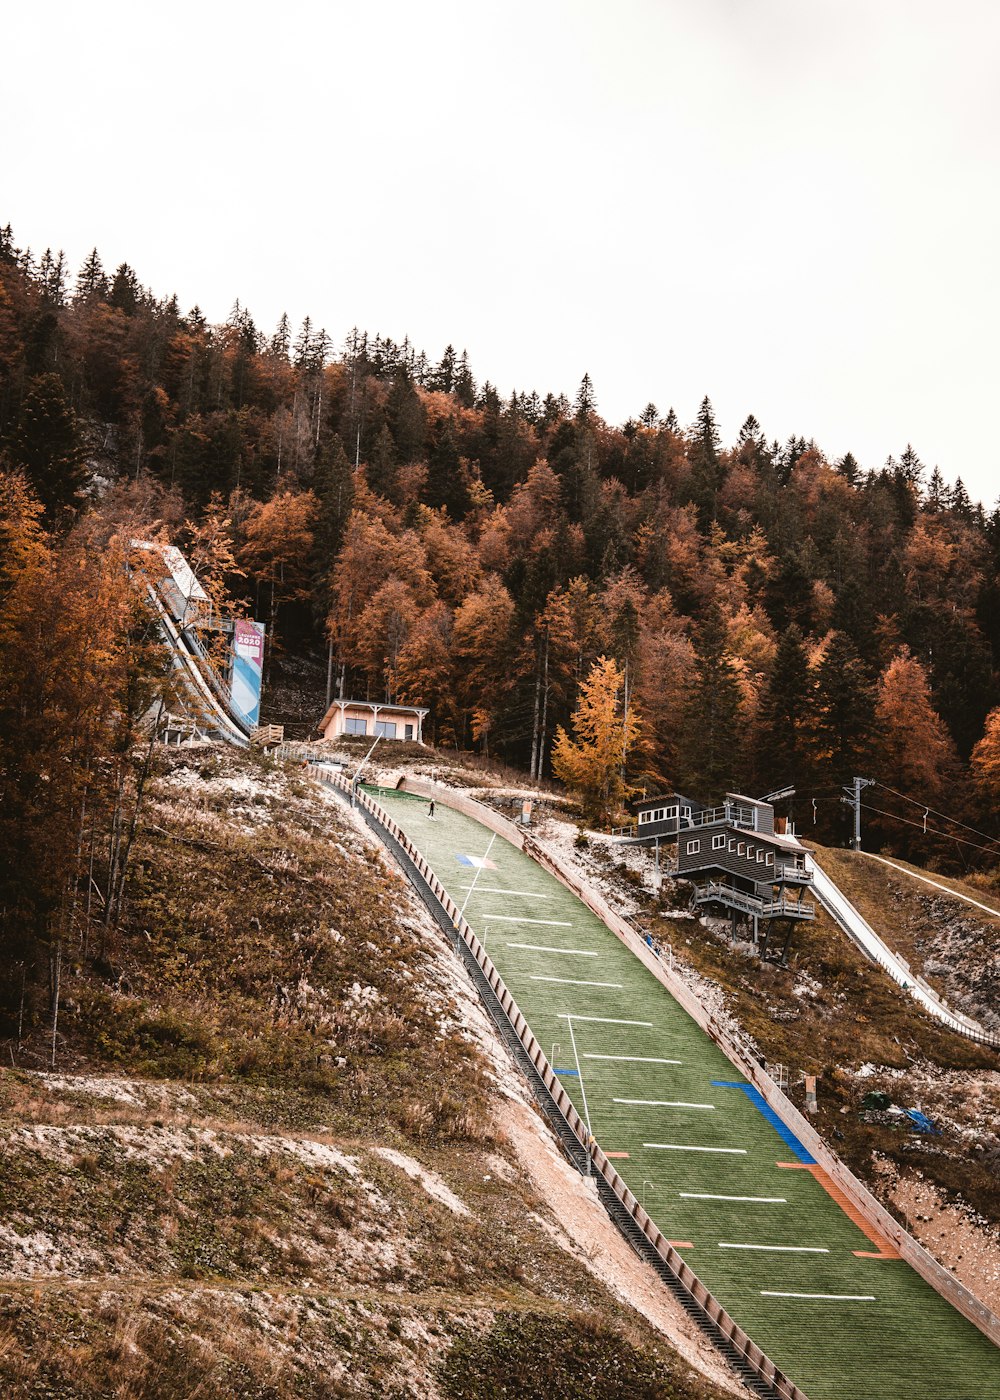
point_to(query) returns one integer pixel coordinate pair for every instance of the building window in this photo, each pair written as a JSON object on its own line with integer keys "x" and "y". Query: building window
{"x": 644, "y": 817}
{"x": 658, "y": 815}
{"x": 408, "y": 731}
{"x": 718, "y": 842}
{"x": 760, "y": 856}
{"x": 769, "y": 859}
{"x": 741, "y": 849}
{"x": 693, "y": 847}
{"x": 385, "y": 728}
{"x": 355, "y": 726}
{"x": 670, "y": 812}
{"x": 732, "y": 845}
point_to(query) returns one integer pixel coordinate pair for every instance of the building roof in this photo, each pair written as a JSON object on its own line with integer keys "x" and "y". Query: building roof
{"x": 782, "y": 843}
{"x": 180, "y": 570}
{"x": 675, "y": 798}
{"x": 375, "y": 706}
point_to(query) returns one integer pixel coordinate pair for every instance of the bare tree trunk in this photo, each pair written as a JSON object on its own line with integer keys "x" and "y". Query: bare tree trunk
{"x": 115, "y": 843}
{"x": 20, "y": 1009}
{"x": 329, "y": 671}
{"x": 56, "y": 975}
{"x": 545, "y": 712}
{"x": 117, "y": 894}
{"x": 533, "y": 766}
{"x": 90, "y": 891}
{"x": 78, "y": 863}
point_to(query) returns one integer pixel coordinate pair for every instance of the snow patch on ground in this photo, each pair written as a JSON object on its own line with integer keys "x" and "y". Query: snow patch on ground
{"x": 136, "y": 1093}
{"x": 429, "y": 1180}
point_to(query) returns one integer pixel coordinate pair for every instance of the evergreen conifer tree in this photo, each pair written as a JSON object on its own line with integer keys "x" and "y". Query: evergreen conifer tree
{"x": 281, "y": 341}
{"x": 585, "y": 402}
{"x": 842, "y": 714}
{"x": 91, "y": 283}
{"x": 465, "y": 385}
{"x": 48, "y": 444}
{"x": 784, "y": 717}
{"x": 706, "y": 470}
{"x": 443, "y": 377}
{"x": 712, "y": 747}
{"x": 849, "y": 468}
{"x": 446, "y": 483}
{"x": 407, "y": 419}
{"x": 383, "y": 469}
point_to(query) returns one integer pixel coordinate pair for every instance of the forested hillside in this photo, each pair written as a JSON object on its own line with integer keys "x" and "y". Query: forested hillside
{"x": 775, "y": 617}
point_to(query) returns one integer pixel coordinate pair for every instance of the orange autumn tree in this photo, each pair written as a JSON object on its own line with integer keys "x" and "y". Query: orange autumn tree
{"x": 985, "y": 760}
{"x": 594, "y": 763}
{"x": 425, "y": 673}
{"x": 481, "y": 644}
{"x": 277, "y": 544}
{"x": 916, "y": 754}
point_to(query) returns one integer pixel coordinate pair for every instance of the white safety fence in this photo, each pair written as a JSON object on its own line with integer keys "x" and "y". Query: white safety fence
{"x": 860, "y": 931}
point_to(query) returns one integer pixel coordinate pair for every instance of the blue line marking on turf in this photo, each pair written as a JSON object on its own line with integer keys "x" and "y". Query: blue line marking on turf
{"x": 574, "y": 1072}
{"x": 761, "y": 1104}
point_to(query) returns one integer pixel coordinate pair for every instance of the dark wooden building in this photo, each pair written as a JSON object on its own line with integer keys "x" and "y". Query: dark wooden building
{"x": 736, "y": 861}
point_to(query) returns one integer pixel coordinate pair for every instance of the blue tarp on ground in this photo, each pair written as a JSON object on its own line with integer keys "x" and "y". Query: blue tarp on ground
{"x": 921, "y": 1122}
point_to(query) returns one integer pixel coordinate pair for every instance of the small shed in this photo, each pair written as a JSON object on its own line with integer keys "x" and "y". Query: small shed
{"x": 363, "y": 717}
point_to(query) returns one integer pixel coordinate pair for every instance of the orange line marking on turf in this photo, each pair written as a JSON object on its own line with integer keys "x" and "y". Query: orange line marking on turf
{"x": 680, "y": 1244}
{"x": 886, "y": 1250}
{"x": 616, "y": 1154}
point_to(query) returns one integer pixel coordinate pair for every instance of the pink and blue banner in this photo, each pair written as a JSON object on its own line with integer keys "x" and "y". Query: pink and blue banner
{"x": 248, "y": 665}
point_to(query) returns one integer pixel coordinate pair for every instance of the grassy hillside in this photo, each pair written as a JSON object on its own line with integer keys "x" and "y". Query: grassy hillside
{"x": 270, "y": 1161}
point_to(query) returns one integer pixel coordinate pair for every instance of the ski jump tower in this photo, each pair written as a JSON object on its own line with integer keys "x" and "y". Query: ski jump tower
{"x": 221, "y": 685}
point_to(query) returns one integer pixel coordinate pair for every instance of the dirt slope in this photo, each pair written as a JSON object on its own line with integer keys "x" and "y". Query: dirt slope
{"x": 282, "y": 1153}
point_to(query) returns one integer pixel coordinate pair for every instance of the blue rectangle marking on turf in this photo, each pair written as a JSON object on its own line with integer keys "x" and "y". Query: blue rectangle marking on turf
{"x": 574, "y": 1073}
{"x": 761, "y": 1104}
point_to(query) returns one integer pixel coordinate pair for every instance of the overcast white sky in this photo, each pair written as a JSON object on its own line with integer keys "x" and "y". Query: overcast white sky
{"x": 790, "y": 205}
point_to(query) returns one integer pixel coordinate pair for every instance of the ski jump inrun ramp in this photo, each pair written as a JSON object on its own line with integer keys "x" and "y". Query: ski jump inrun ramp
{"x": 765, "y": 1226}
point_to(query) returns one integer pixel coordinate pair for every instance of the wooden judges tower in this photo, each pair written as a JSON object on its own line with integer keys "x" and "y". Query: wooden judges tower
{"x": 736, "y": 862}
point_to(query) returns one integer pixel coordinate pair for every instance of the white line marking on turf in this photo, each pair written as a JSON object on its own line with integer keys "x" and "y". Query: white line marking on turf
{"x": 779, "y": 1248}
{"x": 708, "y": 1196}
{"x": 541, "y": 948}
{"x": 575, "y": 982}
{"x": 513, "y": 919}
{"x": 521, "y": 894}
{"x": 604, "y": 1020}
{"x": 829, "y": 1297}
{"x": 635, "y": 1059}
{"x": 685, "y": 1147}
{"x": 663, "y": 1103}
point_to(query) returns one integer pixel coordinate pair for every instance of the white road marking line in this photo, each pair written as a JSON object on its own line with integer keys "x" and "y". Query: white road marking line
{"x": 828, "y": 1297}
{"x": 684, "y": 1147}
{"x": 779, "y": 1248}
{"x": 709, "y": 1196}
{"x": 663, "y": 1103}
{"x": 513, "y": 919}
{"x": 541, "y": 948}
{"x": 575, "y": 982}
{"x": 491, "y": 889}
{"x": 635, "y": 1059}
{"x": 604, "y": 1020}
